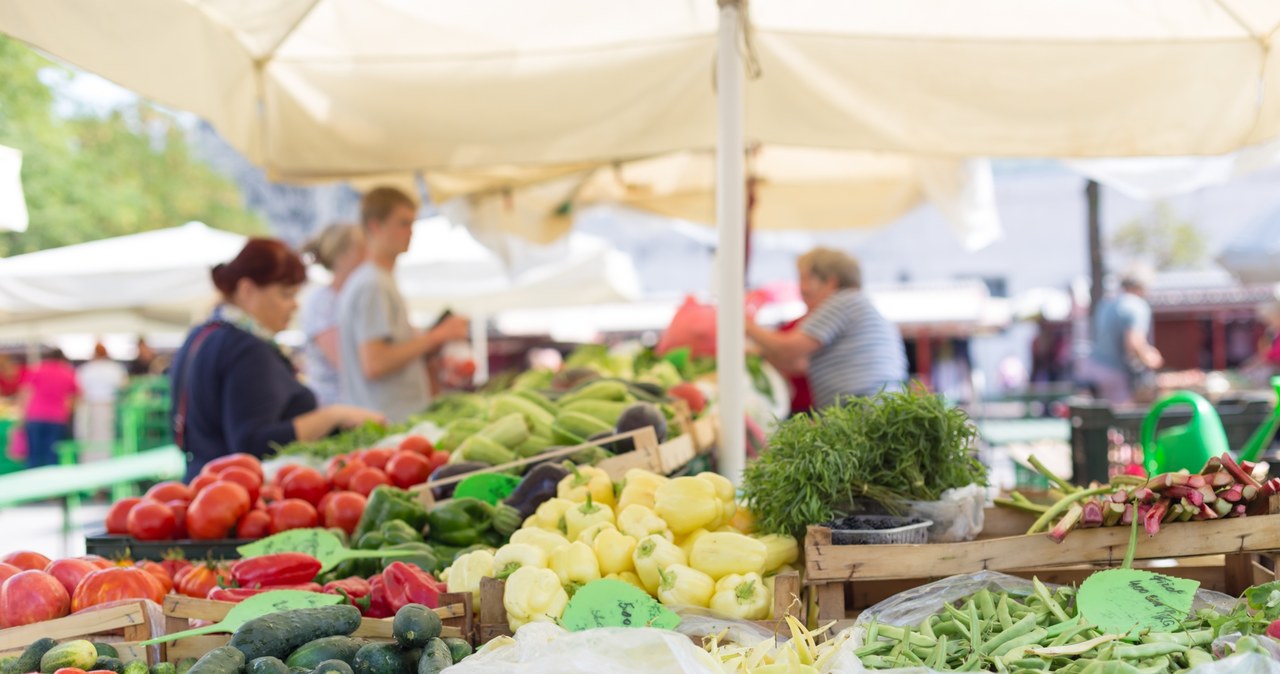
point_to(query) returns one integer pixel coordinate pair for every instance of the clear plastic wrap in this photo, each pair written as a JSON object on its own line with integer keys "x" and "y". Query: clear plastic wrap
{"x": 543, "y": 648}
{"x": 957, "y": 515}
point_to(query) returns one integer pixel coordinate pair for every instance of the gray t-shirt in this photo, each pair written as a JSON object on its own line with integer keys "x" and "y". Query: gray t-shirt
{"x": 861, "y": 352}
{"x": 370, "y": 308}
{"x": 1115, "y": 317}
{"x": 319, "y": 314}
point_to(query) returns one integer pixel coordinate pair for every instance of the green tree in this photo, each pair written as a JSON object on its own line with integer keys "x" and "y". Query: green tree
{"x": 1162, "y": 237}
{"x": 88, "y": 176}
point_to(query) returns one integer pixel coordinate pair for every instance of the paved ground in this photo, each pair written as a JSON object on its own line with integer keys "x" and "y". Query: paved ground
{"x": 39, "y": 528}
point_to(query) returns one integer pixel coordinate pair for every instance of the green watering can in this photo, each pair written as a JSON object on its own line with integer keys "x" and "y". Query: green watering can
{"x": 1190, "y": 446}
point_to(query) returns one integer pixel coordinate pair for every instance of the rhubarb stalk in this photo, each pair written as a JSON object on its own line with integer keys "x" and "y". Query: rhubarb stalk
{"x": 1067, "y": 523}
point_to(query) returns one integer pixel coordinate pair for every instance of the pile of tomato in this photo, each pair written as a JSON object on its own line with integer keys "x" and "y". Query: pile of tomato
{"x": 34, "y": 588}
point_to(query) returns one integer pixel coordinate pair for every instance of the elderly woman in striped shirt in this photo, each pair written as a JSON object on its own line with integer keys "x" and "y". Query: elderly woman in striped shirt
{"x": 844, "y": 344}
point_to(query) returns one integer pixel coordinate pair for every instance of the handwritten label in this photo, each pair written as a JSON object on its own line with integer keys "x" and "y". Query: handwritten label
{"x": 614, "y": 603}
{"x": 490, "y": 487}
{"x": 256, "y": 607}
{"x": 1119, "y": 599}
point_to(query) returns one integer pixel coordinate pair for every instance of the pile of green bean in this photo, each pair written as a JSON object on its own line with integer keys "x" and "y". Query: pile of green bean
{"x": 1006, "y": 633}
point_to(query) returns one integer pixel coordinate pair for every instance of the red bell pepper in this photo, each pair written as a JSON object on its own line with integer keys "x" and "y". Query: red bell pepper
{"x": 284, "y": 568}
{"x": 379, "y": 606}
{"x": 355, "y": 589}
{"x": 409, "y": 584}
{"x": 236, "y": 595}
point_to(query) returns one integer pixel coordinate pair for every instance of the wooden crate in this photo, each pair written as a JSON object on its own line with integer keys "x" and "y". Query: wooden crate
{"x": 122, "y": 625}
{"x": 455, "y": 612}
{"x": 787, "y": 600}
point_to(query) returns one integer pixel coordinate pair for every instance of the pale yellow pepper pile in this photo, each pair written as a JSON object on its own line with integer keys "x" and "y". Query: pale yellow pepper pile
{"x": 683, "y": 540}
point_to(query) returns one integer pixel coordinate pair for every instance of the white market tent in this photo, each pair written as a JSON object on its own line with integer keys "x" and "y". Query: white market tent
{"x": 13, "y": 205}
{"x": 314, "y": 89}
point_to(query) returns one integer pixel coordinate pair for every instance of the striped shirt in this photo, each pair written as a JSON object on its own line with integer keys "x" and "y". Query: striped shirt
{"x": 861, "y": 352}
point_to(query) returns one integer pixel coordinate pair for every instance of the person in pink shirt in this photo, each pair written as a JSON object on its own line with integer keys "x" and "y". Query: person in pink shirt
{"x": 49, "y": 392}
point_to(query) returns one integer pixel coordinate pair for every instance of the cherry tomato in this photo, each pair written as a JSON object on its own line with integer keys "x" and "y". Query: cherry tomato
{"x": 306, "y": 484}
{"x": 367, "y": 479}
{"x": 408, "y": 468}
{"x": 417, "y": 443}
{"x": 254, "y": 524}
{"x": 152, "y": 521}
{"x": 292, "y": 513}
{"x": 251, "y": 481}
{"x": 118, "y": 516}
{"x": 170, "y": 491}
{"x": 343, "y": 510}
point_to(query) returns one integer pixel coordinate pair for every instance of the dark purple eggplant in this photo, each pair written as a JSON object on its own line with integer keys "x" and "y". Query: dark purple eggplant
{"x": 538, "y": 485}
{"x": 450, "y": 470}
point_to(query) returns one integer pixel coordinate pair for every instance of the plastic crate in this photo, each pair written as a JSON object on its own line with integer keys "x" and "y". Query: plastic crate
{"x": 907, "y": 530}
{"x": 120, "y": 546}
{"x": 1104, "y": 440}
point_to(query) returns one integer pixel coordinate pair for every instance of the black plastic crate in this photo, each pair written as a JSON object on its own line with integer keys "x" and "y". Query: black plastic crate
{"x": 117, "y": 546}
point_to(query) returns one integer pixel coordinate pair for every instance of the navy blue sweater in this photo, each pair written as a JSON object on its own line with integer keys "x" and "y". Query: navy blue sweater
{"x": 242, "y": 395}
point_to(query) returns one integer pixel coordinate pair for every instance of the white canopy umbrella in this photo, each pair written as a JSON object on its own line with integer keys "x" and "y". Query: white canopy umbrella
{"x": 13, "y": 205}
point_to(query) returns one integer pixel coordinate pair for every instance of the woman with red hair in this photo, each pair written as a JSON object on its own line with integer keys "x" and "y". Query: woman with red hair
{"x": 233, "y": 389}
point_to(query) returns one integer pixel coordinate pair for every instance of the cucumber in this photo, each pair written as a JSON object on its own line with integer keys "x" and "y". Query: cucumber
{"x": 415, "y": 625}
{"x": 279, "y": 634}
{"x": 164, "y": 668}
{"x": 311, "y": 654}
{"x": 29, "y": 661}
{"x": 78, "y": 653}
{"x": 383, "y": 658}
{"x": 105, "y": 662}
{"x": 185, "y": 664}
{"x": 136, "y": 667}
{"x": 267, "y": 665}
{"x": 105, "y": 650}
{"x": 9, "y": 665}
{"x": 435, "y": 657}
{"x": 221, "y": 660}
{"x": 299, "y": 670}
{"x": 333, "y": 667}
{"x": 458, "y": 648}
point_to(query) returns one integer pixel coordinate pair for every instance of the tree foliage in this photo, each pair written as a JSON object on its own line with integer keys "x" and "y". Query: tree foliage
{"x": 89, "y": 176}
{"x": 1167, "y": 241}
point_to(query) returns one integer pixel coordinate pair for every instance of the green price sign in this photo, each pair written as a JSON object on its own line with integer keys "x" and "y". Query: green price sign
{"x": 1119, "y": 599}
{"x": 613, "y": 603}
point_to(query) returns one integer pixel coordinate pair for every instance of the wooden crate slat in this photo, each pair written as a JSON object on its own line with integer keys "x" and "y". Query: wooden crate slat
{"x": 88, "y": 622}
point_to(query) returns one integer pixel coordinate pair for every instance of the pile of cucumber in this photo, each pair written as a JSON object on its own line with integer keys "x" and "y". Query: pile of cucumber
{"x": 48, "y": 656}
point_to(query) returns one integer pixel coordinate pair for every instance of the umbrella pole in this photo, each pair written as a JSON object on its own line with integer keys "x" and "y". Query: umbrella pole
{"x": 730, "y": 215}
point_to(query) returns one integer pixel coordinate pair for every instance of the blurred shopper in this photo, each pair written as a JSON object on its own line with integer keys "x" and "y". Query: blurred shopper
{"x": 233, "y": 389}
{"x": 10, "y": 376}
{"x": 1266, "y": 363}
{"x": 383, "y": 360}
{"x": 339, "y": 249}
{"x": 801, "y": 394}
{"x": 1123, "y": 359}
{"x": 141, "y": 365}
{"x": 49, "y": 393}
{"x": 100, "y": 382}
{"x": 844, "y": 345}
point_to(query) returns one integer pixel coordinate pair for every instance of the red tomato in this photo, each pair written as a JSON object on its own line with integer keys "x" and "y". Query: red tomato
{"x": 159, "y": 572}
{"x": 691, "y": 394}
{"x": 108, "y": 585}
{"x": 179, "y": 509}
{"x": 270, "y": 493}
{"x": 216, "y": 509}
{"x": 418, "y": 444}
{"x": 200, "y": 578}
{"x": 70, "y": 670}
{"x": 152, "y": 521}
{"x": 70, "y": 572}
{"x": 367, "y": 479}
{"x": 173, "y": 564}
{"x": 26, "y": 560}
{"x": 97, "y": 560}
{"x": 376, "y": 458}
{"x": 284, "y": 472}
{"x": 201, "y": 481}
{"x": 252, "y": 482}
{"x": 118, "y": 516}
{"x": 407, "y": 469}
{"x": 307, "y": 484}
{"x": 249, "y": 461}
{"x": 254, "y": 524}
{"x": 170, "y": 491}
{"x": 323, "y": 501}
{"x": 292, "y": 513}
{"x": 344, "y": 471}
{"x": 438, "y": 458}
{"x": 7, "y": 570}
{"x": 343, "y": 510}
{"x": 32, "y": 596}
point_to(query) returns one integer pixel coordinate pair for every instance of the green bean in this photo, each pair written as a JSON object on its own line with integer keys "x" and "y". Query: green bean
{"x": 873, "y": 632}
{"x": 1158, "y": 665}
{"x": 1043, "y": 593}
{"x": 1019, "y": 628}
{"x": 985, "y": 605}
{"x": 1067, "y": 634}
{"x": 1002, "y": 613}
{"x": 907, "y": 636}
{"x": 1195, "y": 638}
{"x": 971, "y": 664}
{"x": 1109, "y": 667}
{"x": 1196, "y": 657}
{"x": 1075, "y": 649}
{"x": 1032, "y": 637}
{"x": 875, "y": 648}
{"x": 926, "y": 628}
{"x": 1152, "y": 650}
{"x": 975, "y": 628}
{"x": 939, "y": 654}
{"x": 950, "y": 628}
{"x": 1031, "y": 663}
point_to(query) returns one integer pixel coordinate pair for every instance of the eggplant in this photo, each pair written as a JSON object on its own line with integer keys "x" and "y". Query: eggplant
{"x": 538, "y": 486}
{"x": 619, "y": 446}
{"x": 449, "y": 470}
{"x": 640, "y": 415}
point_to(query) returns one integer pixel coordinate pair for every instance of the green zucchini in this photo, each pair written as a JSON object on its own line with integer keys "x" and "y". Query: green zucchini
{"x": 77, "y": 653}
{"x": 105, "y": 662}
{"x": 458, "y": 648}
{"x": 105, "y": 650}
{"x": 184, "y": 665}
{"x": 137, "y": 667}
{"x": 415, "y": 625}
{"x": 279, "y": 634}
{"x": 384, "y": 658}
{"x": 267, "y": 665}
{"x": 312, "y": 653}
{"x": 333, "y": 667}
{"x": 435, "y": 657}
{"x": 221, "y": 660}
{"x": 164, "y": 668}
{"x": 29, "y": 661}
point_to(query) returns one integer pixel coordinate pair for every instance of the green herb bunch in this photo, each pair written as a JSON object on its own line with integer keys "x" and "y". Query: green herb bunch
{"x": 888, "y": 448}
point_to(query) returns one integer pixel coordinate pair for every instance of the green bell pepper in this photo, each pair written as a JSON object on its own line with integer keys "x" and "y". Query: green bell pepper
{"x": 460, "y": 522}
{"x": 424, "y": 558}
{"x": 395, "y": 532}
{"x": 370, "y": 541}
{"x": 388, "y": 503}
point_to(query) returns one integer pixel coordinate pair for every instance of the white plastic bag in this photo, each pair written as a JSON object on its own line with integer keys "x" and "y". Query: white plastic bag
{"x": 543, "y": 648}
{"x": 957, "y": 515}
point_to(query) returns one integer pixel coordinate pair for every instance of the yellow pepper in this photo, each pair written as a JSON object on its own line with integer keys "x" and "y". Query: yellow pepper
{"x": 575, "y": 564}
{"x": 687, "y": 503}
{"x": 638, "y": 487}
{"x": 638, "y": 521}
{"x": 614, "y": 550}
{"x": 551, "y": 514}
{"x": 581, "y": 516}
{"x": 587, "y": 480}
{"x": 533, "y": 595}
{"x": 719, "y": 554}
{"x": 513, "y": 556}
{"x": 779, "y": 550}
{"x": 687, "y": 542}
{"x": 684, "y": 586}
{"x": 547, "y": 540}
{"x": 744, "y": 597}
{"x": 466, "y": 571}
{"x": 653, "y": 552}
{"x": 725, "y": 492}
{"x": 626, "y": 577}
{"x": 589, "y": 534}
{"x": 743, "y": 520}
